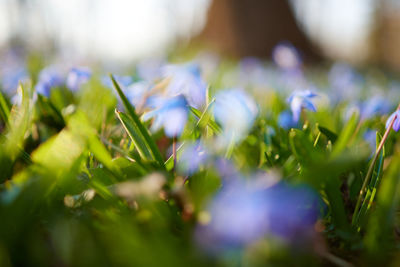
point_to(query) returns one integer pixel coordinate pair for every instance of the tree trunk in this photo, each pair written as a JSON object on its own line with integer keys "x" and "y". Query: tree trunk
{"x": 253, "y": 28}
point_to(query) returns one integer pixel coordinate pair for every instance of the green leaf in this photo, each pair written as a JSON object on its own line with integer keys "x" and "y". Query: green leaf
{"x": 205, "y": 118}
{"x": 19, "y": 123}
{"x": 360, "y": 218}
{"x": 4, "y": 109}
{"x": 141, "y": 131}
{"x": 346, "y": 135}
{"x": 134, "y": 134}
{"x": 302, "y": 147}
{"x": 379, "y": 239}
{"x": 328, "y": 133}
{"x": 96, "y": 102}
{"x": 48, "y": 110}
{"x": 169, "y": 164}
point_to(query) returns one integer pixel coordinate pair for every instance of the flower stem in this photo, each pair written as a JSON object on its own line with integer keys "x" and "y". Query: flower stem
{"x": 174, "y": 152}
{"x": 372, "y": 165}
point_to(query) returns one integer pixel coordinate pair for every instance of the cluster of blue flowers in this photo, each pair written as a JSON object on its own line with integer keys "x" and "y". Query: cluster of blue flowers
{"x": 163, "y": 95}
{"x": 245, "y": 212}
{"x": 51, "y": 77}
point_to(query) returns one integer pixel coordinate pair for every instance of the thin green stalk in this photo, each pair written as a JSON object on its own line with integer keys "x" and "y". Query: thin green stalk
{"x": 371, "y": 167}
{"x": 174, "y": 152}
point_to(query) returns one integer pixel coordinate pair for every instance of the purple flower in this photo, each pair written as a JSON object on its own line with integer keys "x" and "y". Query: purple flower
{"x": 192, "y": 157}
{"x": 286, "y": 56}
{"x": 396, "y": 117}
{"x": 235, "y": 111}
{"x": 242, "y": 213}
{"x": 226, "y": 169}
{"x": 170, "y": 114}
{"x": 48, "y": 78}
{"x": 77, "y": 77}
{"x": 301, "y": 100}
{"x": 186, "y": 80}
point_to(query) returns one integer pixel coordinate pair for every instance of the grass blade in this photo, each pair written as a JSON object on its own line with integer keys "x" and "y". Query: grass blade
{"x": 4, "y": 109}
{"x": 328, "y": 133}
{"x": 379, "y": 239}
{"x": 346, "y": 135}
{"x": 135, "y": 135}
{"x": 206, "y": 119}
{"x": 372, "y": 188}
{"x": 141, "y": 130}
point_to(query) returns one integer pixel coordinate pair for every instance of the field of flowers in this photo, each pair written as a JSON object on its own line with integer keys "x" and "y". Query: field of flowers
{"x": 206, "y": 162}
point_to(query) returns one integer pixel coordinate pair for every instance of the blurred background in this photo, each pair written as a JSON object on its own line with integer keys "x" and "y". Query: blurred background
{"x": 124, "y": 31}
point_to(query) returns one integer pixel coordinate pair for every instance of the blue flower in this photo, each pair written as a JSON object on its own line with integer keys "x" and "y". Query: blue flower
{"x": 77, "y": 77}
{"x": 253, "y": 73}
{"x": 123, "y": 81}
{"x": 48, "y": 78}
{"x": 285, "y": 120}
{"x": 186, "y": 80}
{"x": 374, "y": 105}
{"x": 345, "y": 82}
{"x": 138, "y": 94}
{"x": 11, "y": 78}
{"x": 150, "y": 69}
{"x": 235, "y": 111}
{"x": 396, "y": 117}
{"x": 12, "y": 71}
{"x": 242, "y": 213}
{"x": 286, "y": 56}
{"x": 192, "y": 157}
{"x": 301, "y": 100}
{"x": 370, "y": 138}
{"x": 171, "y": 114}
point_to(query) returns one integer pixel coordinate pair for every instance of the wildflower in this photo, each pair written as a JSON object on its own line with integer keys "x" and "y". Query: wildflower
{"x": 345, "y": 82}
{"x": 123, "y": 81}
{"x": 77, "y": 77}
{"x": 186, "y": 80}
{"x": 242, "y": 213}
{"x": 137, "y": 93}
{"x": 253, "y": 73}
{"x": 374, "y": 105}
{"x": 370, "y": 138}
{"x": 11, "y": 78}
{"x": 226, "y": 169}
{"x": 171, "y": 114}
{"x": 192, "y": 157}
{"x": 286, "y": 56}
{"x": 12, "y": 71}
{"x": 301, "y": 100}
{"x": 48, "y": 78}
{"x": 285, "y": 120}
{"x": 235, "y": 111}
{"x": 150, "y": 69}
{"x": 396, "y": 117}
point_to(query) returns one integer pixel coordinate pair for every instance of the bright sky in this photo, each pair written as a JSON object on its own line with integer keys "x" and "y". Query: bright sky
{"x": 124, "y": 30}
{"x": 119, "y": 30}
